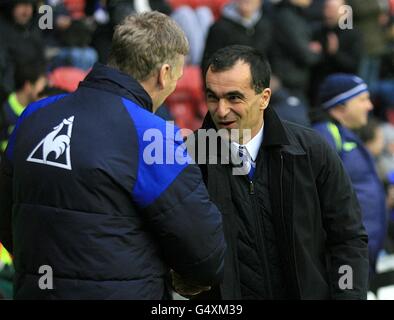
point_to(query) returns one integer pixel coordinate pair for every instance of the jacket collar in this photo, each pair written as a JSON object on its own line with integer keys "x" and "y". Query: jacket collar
{"x": 274, "y": 132}
{"x": 110, "y": 79}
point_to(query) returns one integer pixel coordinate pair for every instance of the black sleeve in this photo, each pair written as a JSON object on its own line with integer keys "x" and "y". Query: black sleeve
{"x": 347, "y": 240}
{"x": 349, "y": 56}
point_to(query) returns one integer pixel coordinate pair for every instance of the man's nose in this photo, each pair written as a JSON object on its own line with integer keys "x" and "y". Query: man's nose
{"x": 369, "y": 105}
{"x": 222, "y": 109}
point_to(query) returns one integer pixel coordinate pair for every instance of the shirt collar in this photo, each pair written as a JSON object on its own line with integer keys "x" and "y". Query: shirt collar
{"x": 253, "y": 146}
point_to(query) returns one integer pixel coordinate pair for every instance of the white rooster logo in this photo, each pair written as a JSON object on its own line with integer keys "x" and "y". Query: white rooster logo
{"x": 57, "y": 143}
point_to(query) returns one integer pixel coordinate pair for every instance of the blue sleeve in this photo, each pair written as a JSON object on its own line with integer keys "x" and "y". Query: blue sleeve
{"x": 30, "y": 109}
{"x": 172, "y": 196}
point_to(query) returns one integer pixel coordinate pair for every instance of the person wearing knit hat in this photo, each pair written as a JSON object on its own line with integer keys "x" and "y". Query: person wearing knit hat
{"x": 345, "y": 99}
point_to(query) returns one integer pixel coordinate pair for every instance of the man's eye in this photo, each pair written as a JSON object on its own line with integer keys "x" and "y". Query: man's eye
{"x": 211, "y": 97}
{"x": 234, "y": 98}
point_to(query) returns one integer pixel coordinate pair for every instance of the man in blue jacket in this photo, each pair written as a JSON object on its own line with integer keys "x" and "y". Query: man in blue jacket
{"x": 345, "y": 98}
{"x": 84, "y": 210}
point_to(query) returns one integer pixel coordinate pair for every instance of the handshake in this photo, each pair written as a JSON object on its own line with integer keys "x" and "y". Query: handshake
{"x": 186, "y": 288}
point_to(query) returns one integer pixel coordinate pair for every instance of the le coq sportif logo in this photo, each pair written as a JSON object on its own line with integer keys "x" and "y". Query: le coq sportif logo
{"x": 54, "y": 148}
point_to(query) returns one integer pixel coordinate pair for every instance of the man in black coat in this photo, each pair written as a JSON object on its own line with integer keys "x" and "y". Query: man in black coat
{"x": 18, "y": 25}
{"x": 293, "y": 52}
{"x": 291, "y": 219}
{"x": 242, "y": 22}
{"x": 341, "y": 48}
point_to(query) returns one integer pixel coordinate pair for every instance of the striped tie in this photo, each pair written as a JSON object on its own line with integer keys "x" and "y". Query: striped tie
{"x": 246, "y": 161}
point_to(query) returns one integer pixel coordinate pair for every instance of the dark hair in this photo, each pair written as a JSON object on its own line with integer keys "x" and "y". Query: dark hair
{"x": 27, "y": 71}
{"x": 28, "y": 62}
{"x": 225, "y": 58}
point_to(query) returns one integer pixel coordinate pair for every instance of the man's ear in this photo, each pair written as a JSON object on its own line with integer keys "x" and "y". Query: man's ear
{"x": 27, "y": 86}
{"x": 265, "y": 98}
{"x": 337, "y": 111}
{"x": 164, "y": 73}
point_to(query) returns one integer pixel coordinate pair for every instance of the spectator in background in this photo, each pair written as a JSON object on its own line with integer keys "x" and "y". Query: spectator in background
{"x": 74, "y": 47}
{"x": 287, "y": 106}
{"x": 371, "y": 18}
{"x": 383, "y": 89}
{"x": 70, "y": 40}
{"x": 346, "y": 100}
{"x": 195, "y": 24}
{"x": 314, "y": 13}
{"x": 117, "y": 10}
{"x": 6, "y": 70}
{"x": 386, "y": 159}
{"x": 293, "y": 52}
{"x": 30, "y": 80}
{"x": 18, "y": 23}
{"x": 342, "y": 48}
{"x": 242, "y": 22}
{"x": 20, "y": 37}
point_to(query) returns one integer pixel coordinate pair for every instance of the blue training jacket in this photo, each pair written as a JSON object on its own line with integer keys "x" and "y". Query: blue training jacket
{"x": 86, "y": 202}
{"x": 360, "y": 167}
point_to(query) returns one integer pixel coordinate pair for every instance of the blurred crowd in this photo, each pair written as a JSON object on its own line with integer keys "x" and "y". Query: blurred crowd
{"x": 304, "y": 40}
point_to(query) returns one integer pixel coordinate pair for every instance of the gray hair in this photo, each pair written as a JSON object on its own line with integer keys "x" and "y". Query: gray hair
{"x": 144, "y": 42}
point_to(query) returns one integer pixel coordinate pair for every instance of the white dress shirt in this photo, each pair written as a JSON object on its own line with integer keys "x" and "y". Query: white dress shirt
{"x": 253, "y": 146}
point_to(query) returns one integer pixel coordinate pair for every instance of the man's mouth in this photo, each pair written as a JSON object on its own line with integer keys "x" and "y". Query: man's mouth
{"x": 226, "y": 124}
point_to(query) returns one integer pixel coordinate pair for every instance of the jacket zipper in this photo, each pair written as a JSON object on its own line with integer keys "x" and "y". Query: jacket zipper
{"x": 291, "y": 249}
{"x": 281, "y": 197}
{"x": 260, "y": 242}
{"x": 251, "y": 187}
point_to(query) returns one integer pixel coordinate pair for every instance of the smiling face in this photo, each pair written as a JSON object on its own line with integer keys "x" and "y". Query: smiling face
{"x": 232, "y": 100}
